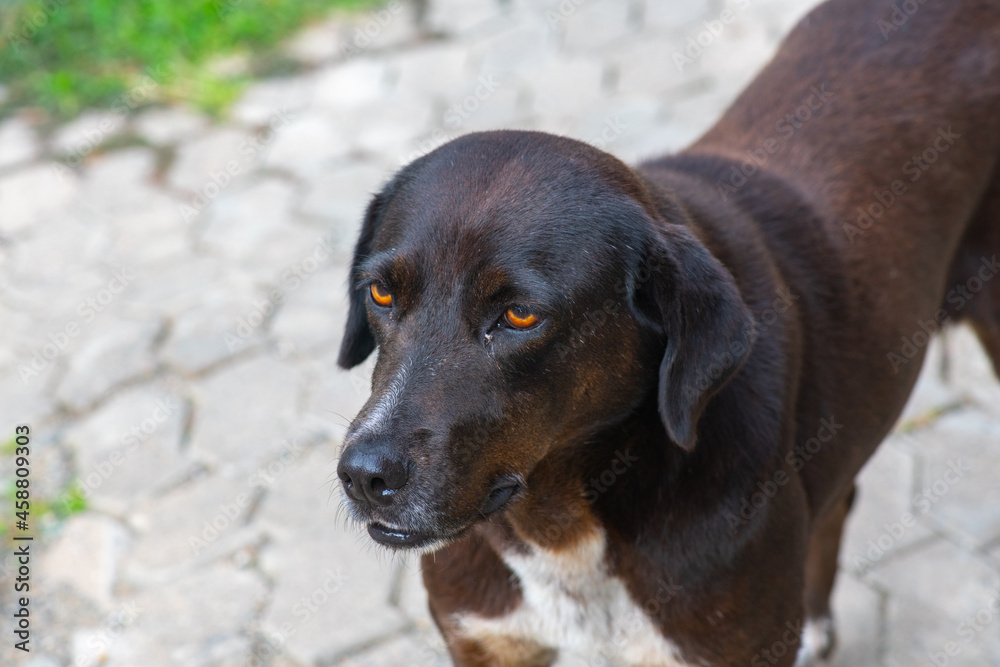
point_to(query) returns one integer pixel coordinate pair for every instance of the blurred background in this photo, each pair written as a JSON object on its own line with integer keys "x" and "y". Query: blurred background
{"x": 180, "y": 186}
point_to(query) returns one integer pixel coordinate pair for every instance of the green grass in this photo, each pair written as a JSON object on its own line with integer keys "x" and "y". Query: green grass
{"x": 68, "y": 55}
{"x": 43, "y": 512}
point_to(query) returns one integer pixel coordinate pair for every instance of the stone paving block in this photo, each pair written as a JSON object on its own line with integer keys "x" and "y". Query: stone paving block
{"x": 972, "y": 370}
{"x": 460, "y": 16}
{"x": 564, "y": 86}
{"x": 438, "y": 69}
{"x": 119, "y": 181}
{"x": 116, "y": 351}
{"x": 514, "y": 49}
{"x": 598, "y": 25}
{"x": 264, "y": 101}
{"x": 651, "y": 67}
{"x": 677, "y": 17}
{"x": 154, "y": 233}
{"x": 18, "y": 142}
{"x": 391, "y": 128}
{"x": 932, "y": 593}
{"x": 25, "y": 397}
{"x": 310, "y": 142}
{"x": 884, "y": 519}
{"x": 254, "y": 224}
{"x": 211, "y": 332}
{"x": 961, "y": 458}
{"x": 243, "y": 412}
{"x": 857, "y": 615}
{"x": 335, "y": 396}
{"x": 357, "y": 83}
{"x": 332, "y": 590}
{"x": 493, "y": 102}
{"x": 195, "y": 524}
{"x": 197, "y": 161}
{"x": 197, "y": 620}
{"x": 169, "y": 125}
{"x": 34, "y": 196}
{"x": 692, "y": 115}
{"x": 314, "y": 314}
{"x": 75, "y": 140}
{"x": 129, "y": 448}
{"x": 339, "y": 197}
{"x": 85, "y": 556}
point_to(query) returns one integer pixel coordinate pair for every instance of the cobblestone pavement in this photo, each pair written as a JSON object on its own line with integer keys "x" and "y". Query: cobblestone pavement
{"x": 172, "y": 303}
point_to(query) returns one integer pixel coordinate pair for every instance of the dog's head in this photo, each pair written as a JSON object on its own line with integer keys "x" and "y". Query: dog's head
{"x": 522, "y": 290}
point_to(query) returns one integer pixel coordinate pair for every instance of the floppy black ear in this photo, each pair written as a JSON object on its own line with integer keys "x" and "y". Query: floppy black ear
{"x": 708, "y": 326}
{"x": 358, "y": 341}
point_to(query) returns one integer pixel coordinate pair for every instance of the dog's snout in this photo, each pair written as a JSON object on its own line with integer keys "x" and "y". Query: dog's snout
{"x": 371, "y": 475}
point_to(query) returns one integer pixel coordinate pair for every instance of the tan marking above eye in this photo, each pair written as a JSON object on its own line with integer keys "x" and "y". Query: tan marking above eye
{"x": 380, "y": 295}
{"x": 520, "y": 317}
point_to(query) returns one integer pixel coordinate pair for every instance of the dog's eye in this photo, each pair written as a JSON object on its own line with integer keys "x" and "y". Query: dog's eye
{"x": 380, "y": 295}
{"x": 519, "y": 317}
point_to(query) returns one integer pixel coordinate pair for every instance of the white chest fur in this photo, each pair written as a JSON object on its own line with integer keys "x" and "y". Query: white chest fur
{"x": 572, "y": 604}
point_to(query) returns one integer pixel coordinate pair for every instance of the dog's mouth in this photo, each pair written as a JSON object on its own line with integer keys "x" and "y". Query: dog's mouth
{"x": 501, "y": 494}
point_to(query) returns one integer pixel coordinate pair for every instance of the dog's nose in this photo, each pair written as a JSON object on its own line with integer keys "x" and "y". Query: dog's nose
{"x": 371, "y": 476}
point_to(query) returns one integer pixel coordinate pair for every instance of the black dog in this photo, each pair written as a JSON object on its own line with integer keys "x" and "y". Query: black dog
{"x": 585, "y": 370}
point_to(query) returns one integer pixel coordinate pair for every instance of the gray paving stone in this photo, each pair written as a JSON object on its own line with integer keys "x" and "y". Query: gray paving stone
{"x": 393, "y": 127}
{"x": 119, "y": 350}
{"x": 597, "y": 25}
{"x": 169, "y": 125}
{"x": 130, "y": 447}
{"x": 332, "y": 591}
{"x": 932, "y": 393}
{"x": 514, "y": 48}
{"x": 972, "y": 370}
{"x": 335, "y": 396}
{"x": 460, "y": 16}
{"x": 254, "y": 225}
{"x": 119, "y": 180}
{"x": 75, "y": 140}
{"x": 932, "y": 594}
{"x": 438, "y": 69}
{"x": 677, "y": 17}
{"x": 960, "y": 454}
{"x": 197, "y": 161}
{"x": 85, "y": 556}
{"x": 34, "y": 196}
{"x": 243, "y": 412}
{"x": 649, "y": 67}
{"x": 884, "y": 519}
{"x": 358, "y": 83}
{"x": 18, "y": 142}
{"x": 199, "y": 523}
{"x": 339, "y": 197}
{"x": 856, "y": 609}
{"x": 314, "y": 313}
{"x": 563, "y": 86}
{"x": 274, "y": 98}
{"x": 197, "y": 620}
{"x": 310, "y": 143}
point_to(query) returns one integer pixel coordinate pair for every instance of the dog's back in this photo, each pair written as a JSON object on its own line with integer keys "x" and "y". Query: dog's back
{"x": 880, "y": 121}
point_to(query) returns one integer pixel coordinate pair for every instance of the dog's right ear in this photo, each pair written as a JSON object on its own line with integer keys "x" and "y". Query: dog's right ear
{"x": 358, "y": 340}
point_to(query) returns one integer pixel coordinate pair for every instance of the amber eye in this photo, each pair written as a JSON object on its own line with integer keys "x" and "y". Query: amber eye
{"x": 381, "y": 296}
{"x": 520, "y": 317}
